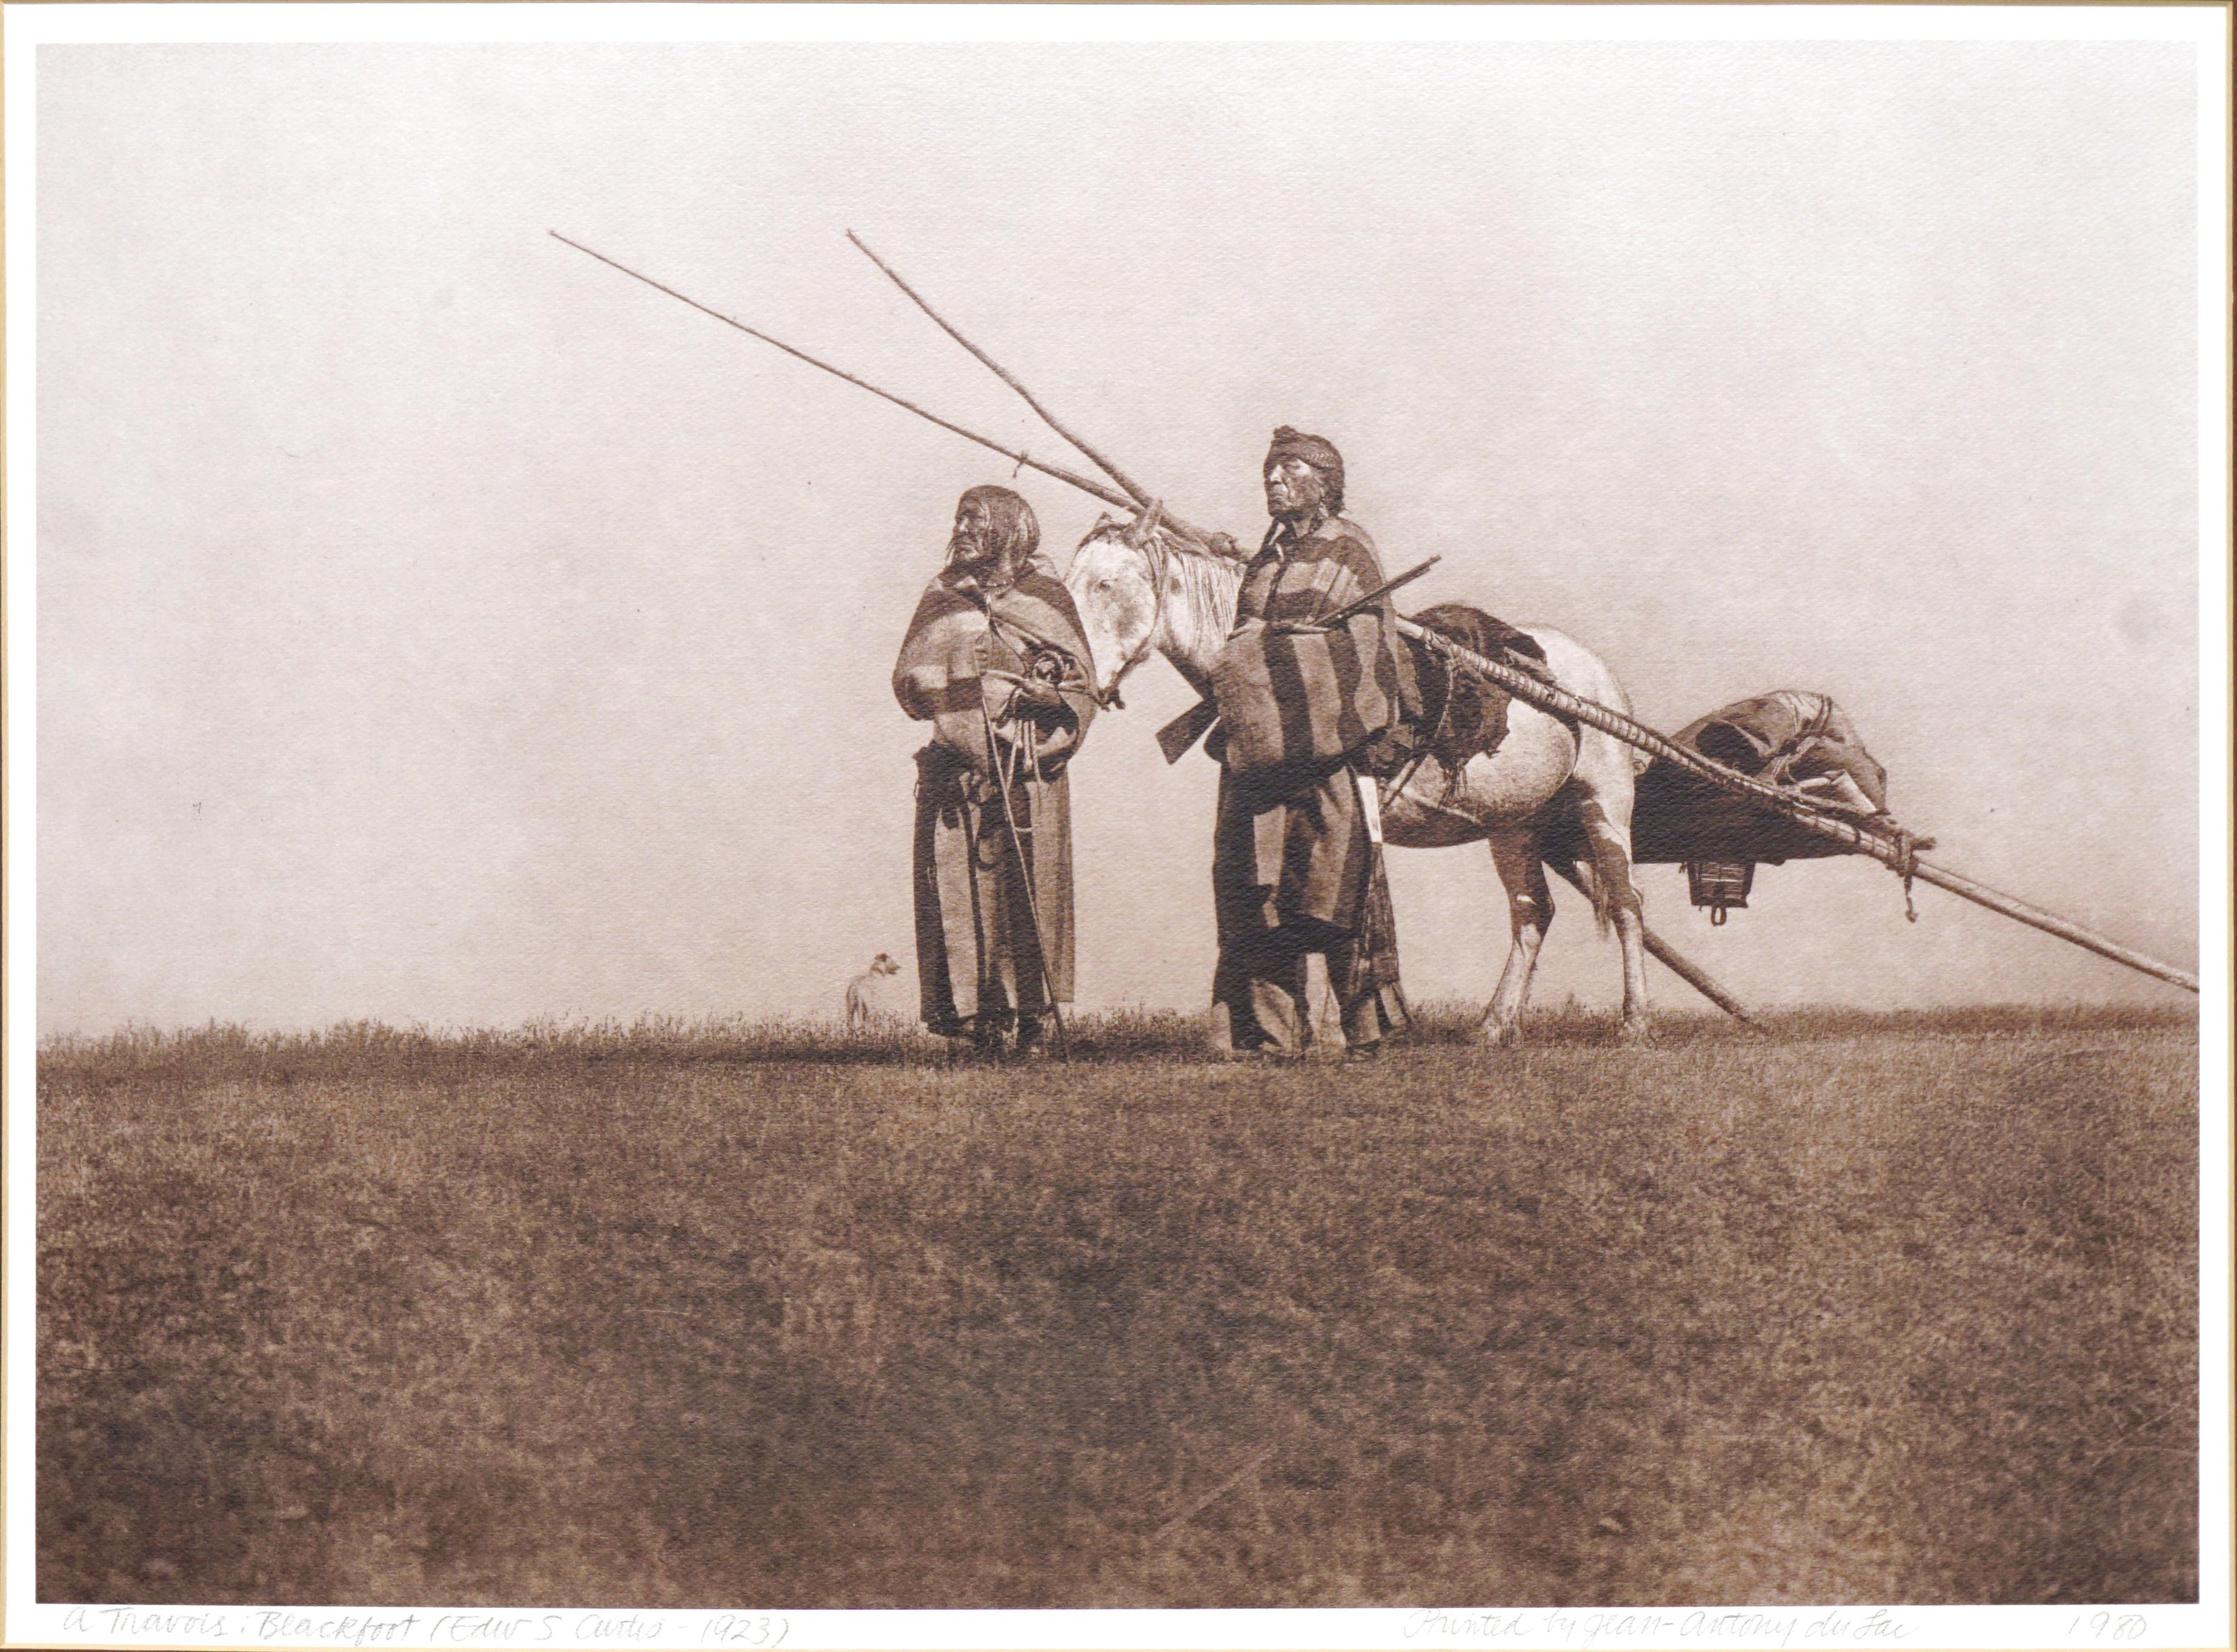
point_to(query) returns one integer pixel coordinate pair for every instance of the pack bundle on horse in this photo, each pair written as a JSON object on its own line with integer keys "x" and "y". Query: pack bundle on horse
{"x": 1897, "y": 849}
{"x": 1797, "y": 741}
{"x": 1530, "y": 745}
{"x": 1479, "y": 766}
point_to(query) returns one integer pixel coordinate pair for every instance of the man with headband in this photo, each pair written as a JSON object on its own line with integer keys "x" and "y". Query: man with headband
{"x": 1296, "y": 857}
{"x": 996, "y": 661}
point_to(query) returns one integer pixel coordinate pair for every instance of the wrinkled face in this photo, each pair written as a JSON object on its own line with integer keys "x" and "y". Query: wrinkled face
{"x": 1111, "y": 585}
{"x": 1293, "y": 485}
{"x": 974, "y": 532}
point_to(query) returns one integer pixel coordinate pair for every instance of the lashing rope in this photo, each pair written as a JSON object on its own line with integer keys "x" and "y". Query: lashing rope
{"x": 1905, "y": 866}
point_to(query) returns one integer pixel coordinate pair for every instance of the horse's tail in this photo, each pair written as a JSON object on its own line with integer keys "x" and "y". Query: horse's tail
{"x": 1603, "y": 901}
{"x": 1609, "y": 896}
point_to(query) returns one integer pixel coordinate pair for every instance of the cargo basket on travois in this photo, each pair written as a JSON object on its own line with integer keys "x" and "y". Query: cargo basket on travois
{"x": 1800, "y": 741}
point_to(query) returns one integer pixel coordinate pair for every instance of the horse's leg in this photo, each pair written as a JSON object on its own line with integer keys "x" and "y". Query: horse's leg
{"x": 1616, "y": 899}
{"x": 1530, "y": 910}
{"x": 1578, "y": 875}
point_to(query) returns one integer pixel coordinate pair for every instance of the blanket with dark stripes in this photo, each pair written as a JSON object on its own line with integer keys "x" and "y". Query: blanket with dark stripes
{"x": 993, "y": 859}
{"x": 962, "y": 630}
{"x": 1294, "y": 703}
{"x": 1293, "y": 848}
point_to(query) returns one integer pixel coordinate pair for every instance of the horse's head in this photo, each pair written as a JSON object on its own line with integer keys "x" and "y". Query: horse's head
{"x": 1113, "y": 580}
{"x": 1130, "y": 582}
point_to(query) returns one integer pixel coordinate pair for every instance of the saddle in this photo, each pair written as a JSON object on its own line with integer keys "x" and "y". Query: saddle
{"x": 1460, "y": 714}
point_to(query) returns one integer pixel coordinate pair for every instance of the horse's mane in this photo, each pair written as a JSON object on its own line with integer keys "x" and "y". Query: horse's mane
{"x": 1209, "y": 584}
{"x": 1208, "y": 578}
{"x": 1198, "y": 613}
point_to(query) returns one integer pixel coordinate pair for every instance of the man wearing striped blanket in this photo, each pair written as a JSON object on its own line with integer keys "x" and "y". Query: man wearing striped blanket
{"x": 1305, "y": 713}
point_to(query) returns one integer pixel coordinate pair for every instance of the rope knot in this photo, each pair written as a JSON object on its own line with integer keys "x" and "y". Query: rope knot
{"x": 1906, "y": 865}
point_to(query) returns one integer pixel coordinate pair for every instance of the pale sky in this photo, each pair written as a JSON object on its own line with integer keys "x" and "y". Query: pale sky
{"x": 436, "y": 626}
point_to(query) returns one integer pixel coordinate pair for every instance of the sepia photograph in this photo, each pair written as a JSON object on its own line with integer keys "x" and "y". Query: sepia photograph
{"x": 1033, "y": 825}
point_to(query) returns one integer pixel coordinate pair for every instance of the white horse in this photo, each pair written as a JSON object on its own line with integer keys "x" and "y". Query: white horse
{"x": 1140, "y": 593}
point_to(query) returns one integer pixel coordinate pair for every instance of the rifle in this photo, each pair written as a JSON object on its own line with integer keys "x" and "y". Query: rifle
{"x": 1524, "y": 686}
{"x": 1192, "y": 725}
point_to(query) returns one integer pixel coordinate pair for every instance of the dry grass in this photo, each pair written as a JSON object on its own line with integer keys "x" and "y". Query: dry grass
{"x": 1893, "y": 1308}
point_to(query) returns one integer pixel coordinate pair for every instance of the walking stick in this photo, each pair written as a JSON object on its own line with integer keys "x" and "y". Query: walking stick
{"x": 1026, "y": 874}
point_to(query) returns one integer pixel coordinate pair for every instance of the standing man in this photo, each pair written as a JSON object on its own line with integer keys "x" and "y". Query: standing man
{"x": 996, "y": 661}
{"x": 1297, "y": 857}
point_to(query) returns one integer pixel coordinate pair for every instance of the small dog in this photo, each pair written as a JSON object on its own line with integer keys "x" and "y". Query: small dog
{"x": 862, "y": 1010}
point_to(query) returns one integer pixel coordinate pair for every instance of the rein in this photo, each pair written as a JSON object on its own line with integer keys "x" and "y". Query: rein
{"x": 1160, "y": 557}
{"x": 1159, "y": 561}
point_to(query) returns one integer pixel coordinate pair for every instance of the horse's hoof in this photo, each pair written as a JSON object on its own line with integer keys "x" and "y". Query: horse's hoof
{"x": 1636, "y": 1031}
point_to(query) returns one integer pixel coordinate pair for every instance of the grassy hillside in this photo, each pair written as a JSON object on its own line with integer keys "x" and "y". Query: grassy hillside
{"x": 1881, "y": 1308}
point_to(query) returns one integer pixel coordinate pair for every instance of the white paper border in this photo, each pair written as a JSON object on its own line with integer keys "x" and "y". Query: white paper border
{"x": 2208, "y": 1623}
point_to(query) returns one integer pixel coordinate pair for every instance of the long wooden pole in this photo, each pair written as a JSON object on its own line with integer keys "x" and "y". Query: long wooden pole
{"x": 2051, "y": 924}
{"x": 1546, "y": 697}
{"x": 1085, "y": 484}
{"x": 1530, "y": 690}
{"x": 1581, "y": 874}
{"x": 1139, "y": 494}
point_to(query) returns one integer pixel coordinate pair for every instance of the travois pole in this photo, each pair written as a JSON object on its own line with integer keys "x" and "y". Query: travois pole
{"x": 1891, "y": 853}
{"x": 1139, "y": 494}
{"x": 1894, "y": 855}
{"x": 1085, "y": 484}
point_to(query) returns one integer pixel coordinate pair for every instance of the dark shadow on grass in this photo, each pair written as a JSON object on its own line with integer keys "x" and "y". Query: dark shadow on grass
{"x": 1884, "y": 1307}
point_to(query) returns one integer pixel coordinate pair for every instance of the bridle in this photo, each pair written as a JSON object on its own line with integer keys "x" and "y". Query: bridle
{"x": 1158, "y": 559}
